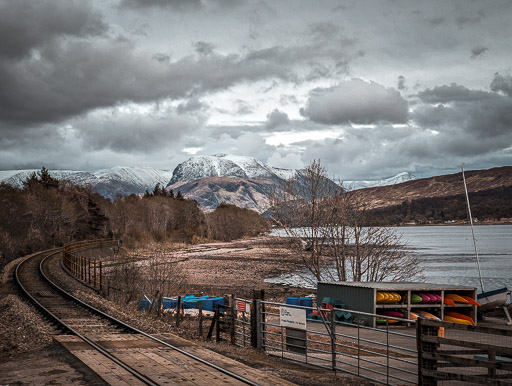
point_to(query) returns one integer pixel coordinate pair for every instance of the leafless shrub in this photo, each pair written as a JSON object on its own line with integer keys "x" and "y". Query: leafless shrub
{"x": 325, "y": 226}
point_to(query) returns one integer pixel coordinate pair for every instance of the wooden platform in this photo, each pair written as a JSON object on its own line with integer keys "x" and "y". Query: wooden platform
{"x": 162, "y": 364}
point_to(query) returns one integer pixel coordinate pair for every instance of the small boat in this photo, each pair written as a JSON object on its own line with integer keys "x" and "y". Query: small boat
{"x": 460, "y": 316}
{"x": 492, "y": 299}
{"x": 487, "y": 299}
{"x": 471, "y": 301}
{"x": 456, "y": 298}
{"x": 428, "y": 315}
{"x": 438, "y": 298}
{"x": 394, "y": 314}
{"x": 449, "y": 302}
{"x": 451, "y": 319}
{"x": 383, "y": 321}
{"x": 416, "y": 298}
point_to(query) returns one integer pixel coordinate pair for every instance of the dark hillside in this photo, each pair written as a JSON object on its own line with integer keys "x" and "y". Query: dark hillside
{"x": 441, "y": 199}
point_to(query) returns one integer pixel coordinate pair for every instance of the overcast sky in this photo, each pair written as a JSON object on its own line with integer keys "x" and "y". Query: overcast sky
{"x": 372, "y": 88}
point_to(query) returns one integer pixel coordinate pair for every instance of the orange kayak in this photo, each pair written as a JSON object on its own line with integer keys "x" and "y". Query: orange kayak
{"x": 471, "y": 301}
{"x": 449, "y": 302}
{"x": 456, "y": 320}
{"x": 428, "y": 315}
{"x": 460, "y": 316}
{"x": 456, "y": 298}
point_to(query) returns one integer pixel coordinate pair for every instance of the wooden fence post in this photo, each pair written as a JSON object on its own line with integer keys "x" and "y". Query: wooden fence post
{"x": 217, "y": 317}
{"x": 425, "y": 347}
{"x": 200, "y": 318}
{"x": 95, "y": 283}
{"x": 178, "y": 308}
{"x": 256, "y": 315}
{"x": 232, "y": 320}
{"x": 153, "y": 302}
{"x": 101, "y": 275}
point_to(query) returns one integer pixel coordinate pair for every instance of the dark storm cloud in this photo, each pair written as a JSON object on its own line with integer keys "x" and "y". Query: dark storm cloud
{"x": 452, "y": 93}
{"x": 180, "y": 5}
{"x": 204, "y": 48}
{"x": 133, "y": 132}
{"x": 469, "y": 18}
{"x": 276, "y": 118}
{"x": 502, "y": 84}
{"x": 356, "y": 101}
{"x": 80, "y": 75}
{"x": 27, "y": 24}
{"x": 477, "y": 51}
{"x": 191, "y": 105}
{"x": 37, "y": 137}
{"x": 479, "y": 113}
{"x": 401, "y": 82}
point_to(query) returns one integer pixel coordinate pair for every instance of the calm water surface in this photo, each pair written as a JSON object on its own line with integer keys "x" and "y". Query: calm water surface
{"x": 447, "y": 256}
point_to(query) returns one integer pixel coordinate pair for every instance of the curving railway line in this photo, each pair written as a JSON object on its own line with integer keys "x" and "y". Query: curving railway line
{"x": 75, "y": 317}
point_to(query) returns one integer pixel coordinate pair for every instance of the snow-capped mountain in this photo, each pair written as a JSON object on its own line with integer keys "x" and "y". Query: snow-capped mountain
{"x": 110, "y": 183}
{"x": 224, "y": 165}
{"x": 211, "y": 180}
{"x": 360, "y": 184}
{"x": 122, "y": 180}
{"x": 242, "y": 181}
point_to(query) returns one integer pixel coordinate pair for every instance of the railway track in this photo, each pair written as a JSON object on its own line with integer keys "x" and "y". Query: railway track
{"x": 89, "y": 324}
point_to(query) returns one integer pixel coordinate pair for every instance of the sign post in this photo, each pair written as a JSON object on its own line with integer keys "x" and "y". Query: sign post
{"x": 294, "y": 321}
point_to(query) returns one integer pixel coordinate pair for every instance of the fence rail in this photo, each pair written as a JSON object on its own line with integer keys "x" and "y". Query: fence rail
{"x": 86, "y": 269}
{"x": 465, "y": 354}
{"x": 383, "y": 355}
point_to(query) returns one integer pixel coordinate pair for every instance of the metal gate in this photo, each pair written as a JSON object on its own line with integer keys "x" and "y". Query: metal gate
{"x": 385, "y": 354}
{"x": 242, "y": 312}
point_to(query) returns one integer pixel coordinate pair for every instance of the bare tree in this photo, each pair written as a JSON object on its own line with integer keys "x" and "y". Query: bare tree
{"x": 326, "y": 228}
{"x": 299, "y": 208}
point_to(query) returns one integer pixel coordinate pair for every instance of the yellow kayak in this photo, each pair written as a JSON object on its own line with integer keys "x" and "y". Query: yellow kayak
{"x": 447, "y": 318}
{"x": 457, "y": 315}
{"x": 456, "y": 298}
{"x": 396, "y": 296}
{"x": 388, "y": 297}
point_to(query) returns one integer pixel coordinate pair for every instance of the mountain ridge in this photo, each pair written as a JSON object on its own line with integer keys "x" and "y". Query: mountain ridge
{"x": 110, "y": 183}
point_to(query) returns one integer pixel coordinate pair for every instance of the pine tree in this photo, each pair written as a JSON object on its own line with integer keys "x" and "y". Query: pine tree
{"x": 43, "y": 178}
{"x": 156, "y": 190}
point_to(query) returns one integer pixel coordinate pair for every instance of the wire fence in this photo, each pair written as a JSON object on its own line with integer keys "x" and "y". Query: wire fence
{"x": 385, "y": 354}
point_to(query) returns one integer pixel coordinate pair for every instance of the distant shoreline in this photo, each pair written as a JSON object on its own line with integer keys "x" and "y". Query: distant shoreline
{"x": 458, "y": 223}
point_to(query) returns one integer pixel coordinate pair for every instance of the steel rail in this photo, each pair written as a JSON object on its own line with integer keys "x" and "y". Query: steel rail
{"x": 65, "y": 327}
{"x": 135, "y": 330}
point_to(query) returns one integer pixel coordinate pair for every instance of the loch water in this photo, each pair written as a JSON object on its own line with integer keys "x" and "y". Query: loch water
{"x": 446, "y": 255}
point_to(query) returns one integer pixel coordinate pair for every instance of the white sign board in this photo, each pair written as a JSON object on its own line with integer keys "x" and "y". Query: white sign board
{"x": 292, "y": 317}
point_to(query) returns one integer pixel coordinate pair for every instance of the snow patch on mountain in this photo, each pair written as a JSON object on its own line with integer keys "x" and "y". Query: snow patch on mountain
{"x": 361, "y": 184}
{"x": 120, "y": 180}
{"x": 224, "y": 165}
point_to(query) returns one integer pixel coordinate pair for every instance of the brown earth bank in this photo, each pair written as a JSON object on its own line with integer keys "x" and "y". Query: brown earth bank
{"x": 240, "y": 267}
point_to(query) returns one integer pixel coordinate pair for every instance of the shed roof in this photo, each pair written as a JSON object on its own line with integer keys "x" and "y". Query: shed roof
{"x": 395, "y": 285}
